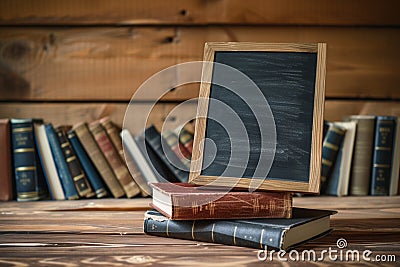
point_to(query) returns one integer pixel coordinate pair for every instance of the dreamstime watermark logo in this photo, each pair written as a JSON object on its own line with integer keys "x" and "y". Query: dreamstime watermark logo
{"x": 230, "y": 81}
{"x": 339, "y": 253}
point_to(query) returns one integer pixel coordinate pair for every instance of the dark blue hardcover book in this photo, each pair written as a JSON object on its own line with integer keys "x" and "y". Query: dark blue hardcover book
{"x": 28, "y": 173}
{"x": 62, "y": 168}
{"x": 161, "y": 172}
{"x": 330, "y": 148}
{"x": 87, "y": 165}
{"x": 253, "y": 233}
{"x": 382, "y": 155}
{"x": 79, "y": 178}
{"x": 333, "y": 182}
{"x": 338, "y": 182}
{"x": 325, "y": 129}
{"x": 166, "y": 155}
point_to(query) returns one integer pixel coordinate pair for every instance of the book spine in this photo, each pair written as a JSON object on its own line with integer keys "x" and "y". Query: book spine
{"x": 75, "y": 169}
{"x": 111, "y": 155}
{"x": 177, "y": 147}
{"x": 233, "y": 206}
{"x": 382, "y": 156}
{"x": 135, "y": 158}
{"x": 114, "y": 136}
{"x": 62, "y": 168}
{"x": 6, "y": 181}
{"x": 394, "y": 177}
{"x": 186, "y": 139}
{"x": 160, "y": 172}
{"x": 48, "y": 164}
{"x": 330, "y": 148}
{"x": 116, "y": 139}
{"x": 87, "y": 165}
{"x": 30, "y": 184}
{"x": 362, "y": 157}
{"x": 94, "y": 152}
{"x": 225, "y": 232}
{"x": 163, "y": 151}
{"x": 332, "y": 187}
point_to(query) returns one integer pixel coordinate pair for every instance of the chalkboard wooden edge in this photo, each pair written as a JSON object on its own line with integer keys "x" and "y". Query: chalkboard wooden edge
{"x": 201, "y": 116}
{"x": 248, "y": 183}
{"x": 318, "y": 121}
{"x": 313, "y": 184}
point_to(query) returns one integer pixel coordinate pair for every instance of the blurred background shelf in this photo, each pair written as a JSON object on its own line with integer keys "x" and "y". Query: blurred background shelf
{"x": 73, "y": 61}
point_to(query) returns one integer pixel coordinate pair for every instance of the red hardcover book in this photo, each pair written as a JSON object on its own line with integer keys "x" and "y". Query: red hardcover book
{"x": 180, "y": 151}
{"x": 183, "y": 201}
{"x": 6, "y": 180}
{"x": 114, "y": 160}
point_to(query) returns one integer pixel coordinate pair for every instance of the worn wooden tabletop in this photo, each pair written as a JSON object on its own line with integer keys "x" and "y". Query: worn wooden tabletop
{"x": 109, "y": 233}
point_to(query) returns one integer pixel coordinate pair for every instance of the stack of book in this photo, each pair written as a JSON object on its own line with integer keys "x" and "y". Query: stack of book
{"x": 361, "y": 156}
{"x": 248, "y": 219}
{"x": 39, "y": 161}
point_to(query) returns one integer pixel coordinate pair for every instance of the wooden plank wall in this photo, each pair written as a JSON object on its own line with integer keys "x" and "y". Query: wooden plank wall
{"x": 68, "y": 61}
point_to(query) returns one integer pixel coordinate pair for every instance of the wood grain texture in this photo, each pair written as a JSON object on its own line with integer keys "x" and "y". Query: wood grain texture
{"x": 72, "y": 63}
{"x": 253, "y": 46}
{"x": 49, "y": 233}
{"x": 277, "y": 12}
{"x": 201, "y": 114}
{"x": 318, "y": 115}
{"x": 336, "y": 110}
{"x": 271, "y": 185}
{"x": 74, "y": 113}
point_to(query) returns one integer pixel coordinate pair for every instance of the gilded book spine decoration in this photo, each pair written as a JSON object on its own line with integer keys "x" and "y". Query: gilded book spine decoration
{"x": 62, "y": 167}
{"x": 90, "y": 170}
{"x": 382, "y": 156}
{"x": 78, "y": 175}
{"x": 113, "y": 158}
{"x": 88, "y": 142}
{"x": 29, "y": 180}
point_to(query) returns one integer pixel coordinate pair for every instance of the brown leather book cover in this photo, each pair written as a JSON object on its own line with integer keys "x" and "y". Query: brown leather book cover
{"x": 6, "y": 180}
{"x": 183, "y": 201}
{"x": 97, "y": 157}
{"x": 113, "y": 132}
{"x": 117, "y": 165}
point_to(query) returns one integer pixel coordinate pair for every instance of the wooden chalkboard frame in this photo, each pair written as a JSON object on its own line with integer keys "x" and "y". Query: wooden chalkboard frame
{"x": 312, "y": 186}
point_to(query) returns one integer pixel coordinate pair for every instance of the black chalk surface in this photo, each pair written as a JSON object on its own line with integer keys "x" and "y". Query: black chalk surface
{"x": 287, "y": 81}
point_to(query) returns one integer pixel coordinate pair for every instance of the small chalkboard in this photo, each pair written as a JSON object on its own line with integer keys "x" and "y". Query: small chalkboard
{"x": 260, "y": 117}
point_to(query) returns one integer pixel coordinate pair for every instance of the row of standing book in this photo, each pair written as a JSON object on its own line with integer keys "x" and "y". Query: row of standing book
{"x": 39, "y": 161}
{"x": 361, "y": 156}
{"x": 87, "y": 160}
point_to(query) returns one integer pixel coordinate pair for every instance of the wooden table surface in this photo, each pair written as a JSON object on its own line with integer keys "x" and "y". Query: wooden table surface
{"x": 109, "y": 233}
